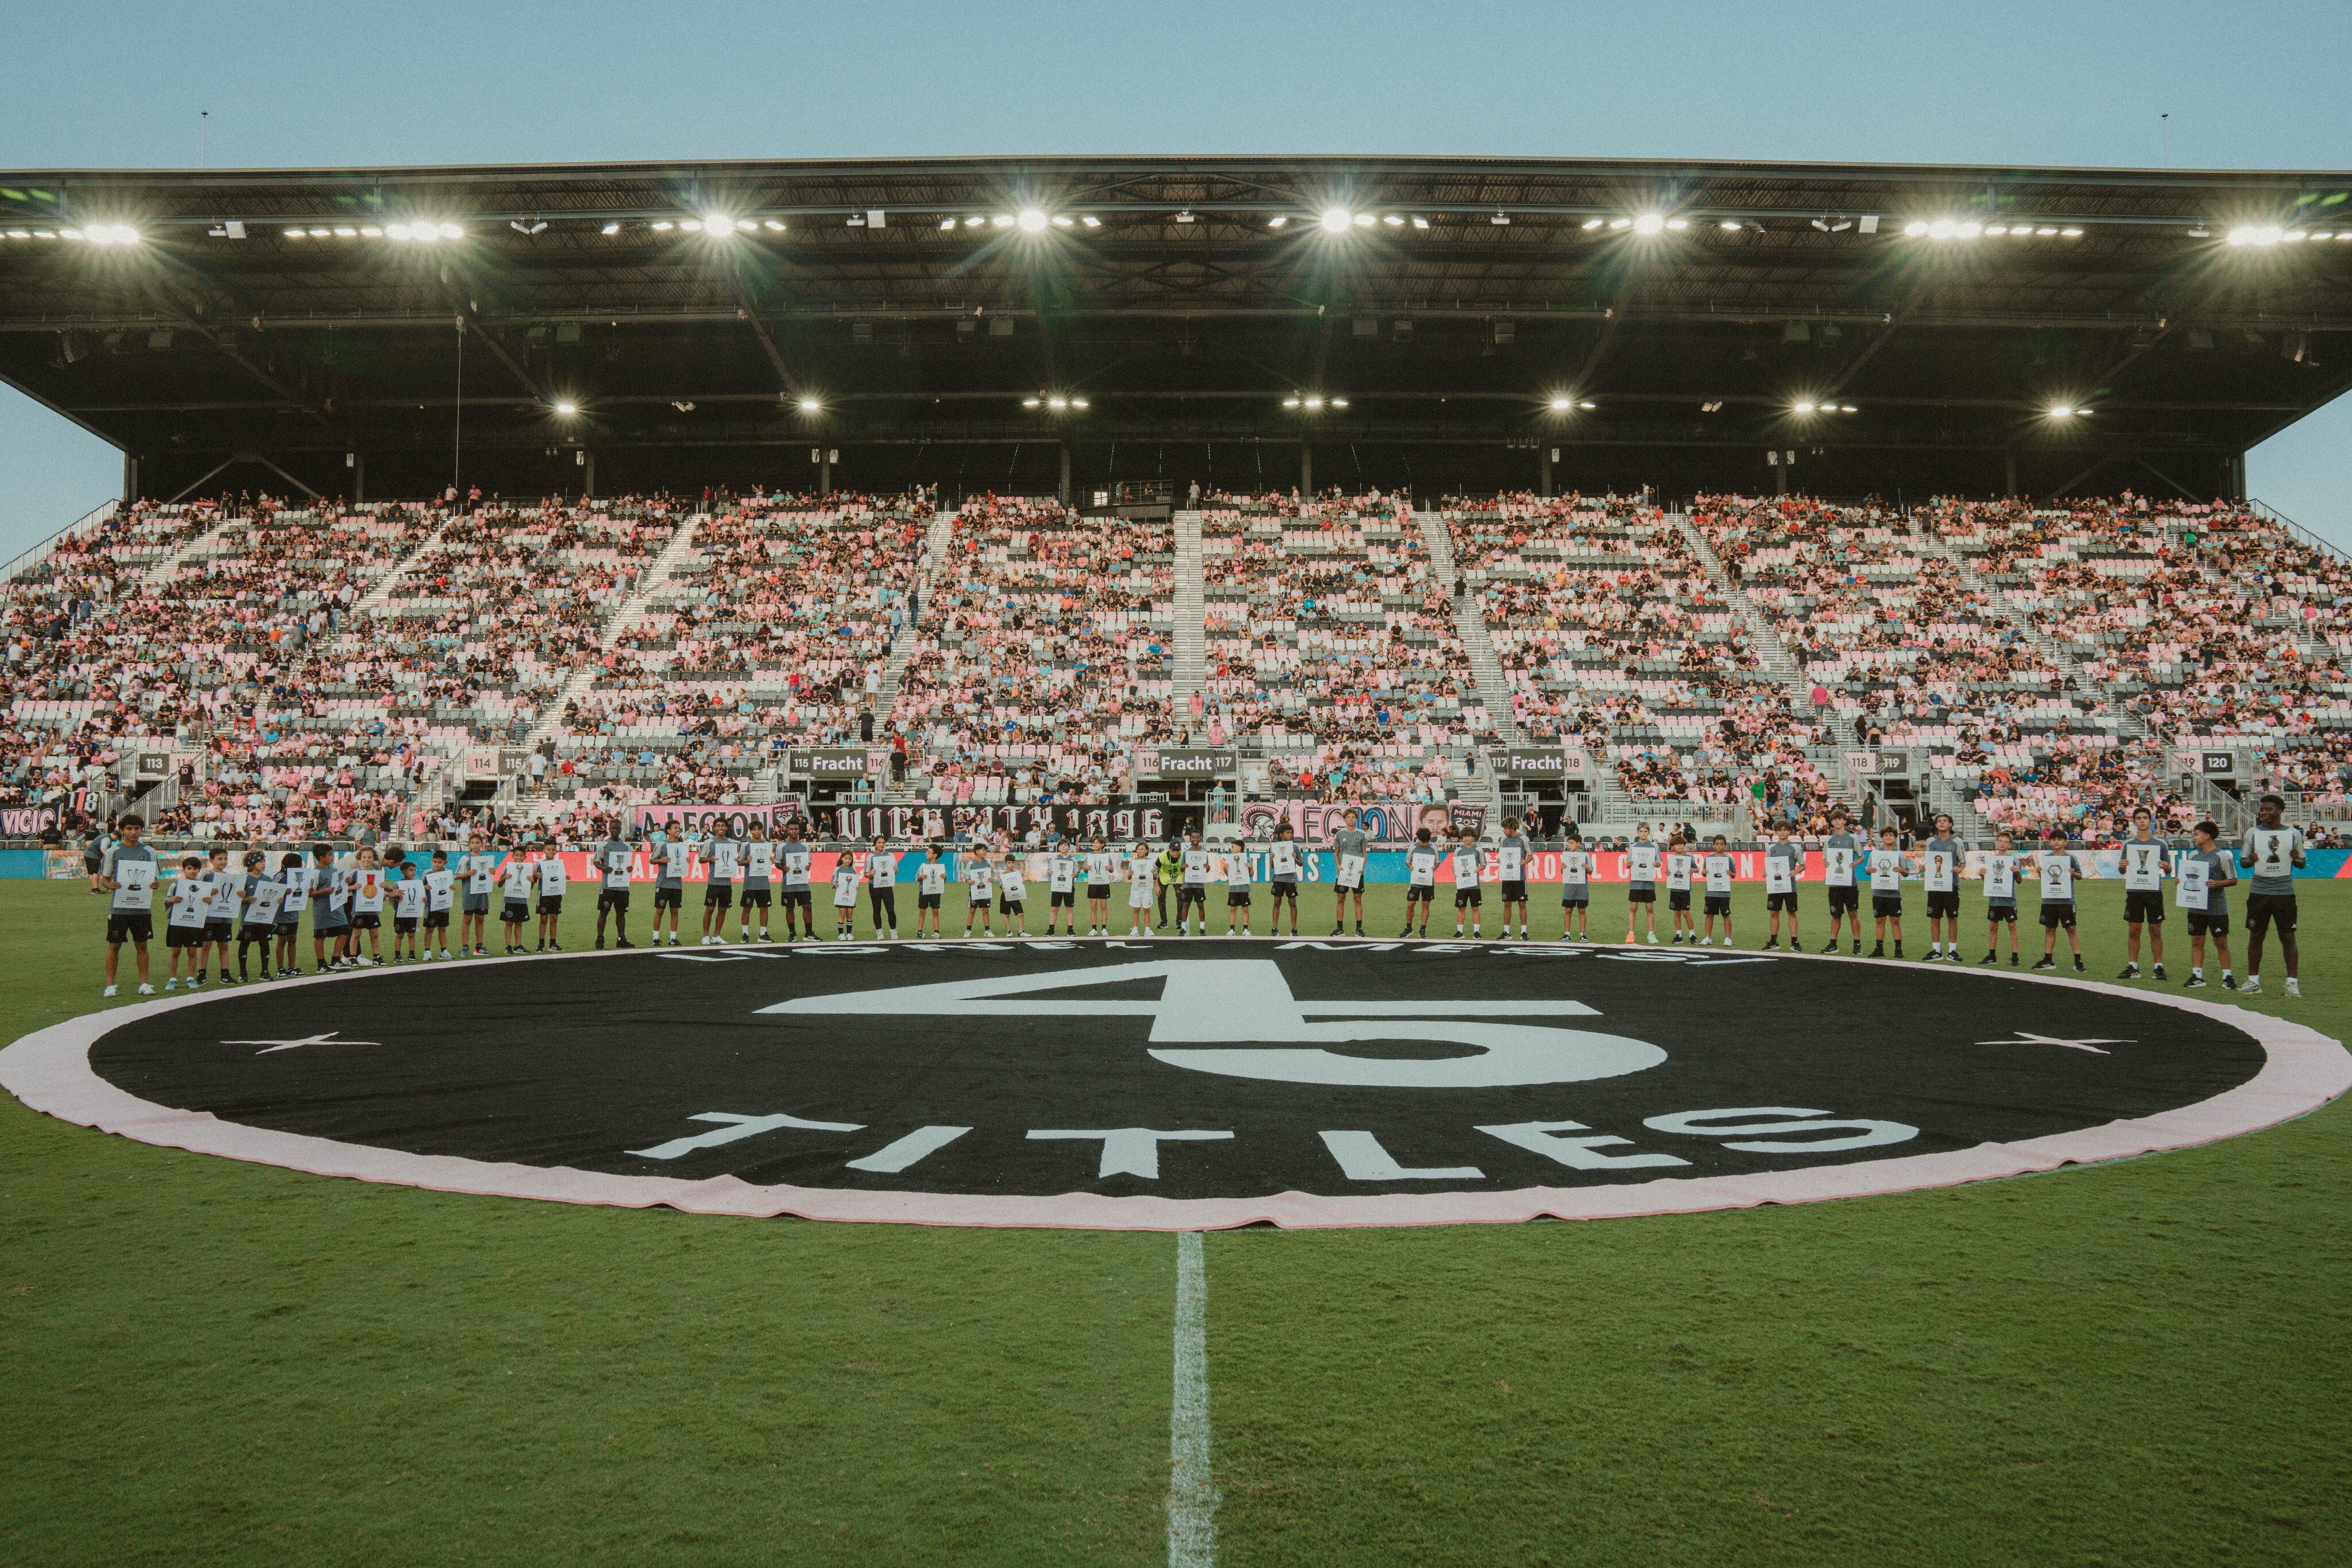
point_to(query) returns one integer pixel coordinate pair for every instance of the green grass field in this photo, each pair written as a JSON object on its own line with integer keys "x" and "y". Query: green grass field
{"x": 2139, "y": 1363}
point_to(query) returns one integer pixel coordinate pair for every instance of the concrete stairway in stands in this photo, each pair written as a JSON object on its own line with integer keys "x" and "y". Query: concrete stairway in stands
{"x": 163, "y": 571}
{"x": 902, "y": 646}
{"x": 1191, "y": 645}
{"x": 379, "y": 591}
{"x": 622, "y": 622}
{"x": 1774, "y": 654}
{"x": 1470, "y": 623}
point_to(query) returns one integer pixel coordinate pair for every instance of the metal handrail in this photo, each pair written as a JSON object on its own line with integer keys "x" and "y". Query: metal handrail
{"x": 2264, "y": 508}
{"x": 88, "y": 522}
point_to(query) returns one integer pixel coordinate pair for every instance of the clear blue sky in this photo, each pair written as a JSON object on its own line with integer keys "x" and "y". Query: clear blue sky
{"x": 119, "y": 85}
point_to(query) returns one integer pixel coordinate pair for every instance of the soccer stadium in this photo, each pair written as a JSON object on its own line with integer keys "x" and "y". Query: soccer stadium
{"x": 1355, "y": 598}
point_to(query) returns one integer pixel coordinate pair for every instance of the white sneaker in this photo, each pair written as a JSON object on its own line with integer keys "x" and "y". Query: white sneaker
{"x": 2252, "y": 987}
{"x": 145, "y": 989}
{"x": 444, "y": 955}
{"x": 1653, "y": 938}
{"x": 109, "y": 991}
{"x": 172, "y": 984}
{"x": 2294, "y": 986}
{"x": 1706, "y": 941}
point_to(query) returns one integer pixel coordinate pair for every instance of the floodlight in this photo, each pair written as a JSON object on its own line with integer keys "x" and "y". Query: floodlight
{"x": 1339, "y": 402}
{"x": 773, "y": 226}
{"x": 946, "y": 224}
{"x": 451, "y": 230}
{"x": 2062, "y": 410}
{"x": 1616, "y": 223}
{"x": 1394, "y": 221}
{"x": 1079, "y": 402}
{"x": 2046, "y": 233}
{"x": 1729, "y": 226}
{"x": 1501, "y": 219}
{"x": 810, "y": 405}
{"x": 69, "y": 233}
{"x": 1587, "y": 405}
{"x": 1942, "y": 228}
{"x": 371, "y": 232}
{"x": 1313, "y": 403}
{"x": 1914, "y": 229}
{"x": 1033, "y": 220}
{"x": 110, "y": 234}
{"x": 1562, "y": 404}
{"x": 1057, "y": 403}
{"x": 974, "y": 223}
{"x": 1061, "y": 220}
{"x": 1649, "y": 224}
{"x": 1802, "y": 408}
{"x": 664, "y": 226}
{"x": 341, "y": 232}
{"x": 396, "y": 231}
{"x": 1848, "y": 408}
{"x": 1336, "y": 220}
{"x": 1592, "y": 223}
{"x": 1277, "y": 221}
{"x": 1186, "y": 216}
{"x": 1994, "y": 229}
{"x": 1421, "y": 223}
{"x": 1003, "y": 220}
{"x": 1290, "y": 403}
{"x": 1678, "y": 225}
{"x": 566, "y": 407}
{"x": 319, "y": 234}
{"x": 2071, "y": 233}
{"x": 719, "y": 224}
{"x": 1031, "y": 402}
{"x": 692, "y": 225}
{"x": 1091, "y": 221}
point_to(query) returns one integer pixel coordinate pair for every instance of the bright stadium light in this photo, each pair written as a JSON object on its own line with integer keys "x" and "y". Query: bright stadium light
{"x": 1057, "y": 403}
{"x": 1649, "y": 224}
{"x": 946, "y": 224}
{"x": 974, "y": 223}
{"x": 1337, "y": 219}
{"x": 2257, "y": 235}
{"x": 1279, "y": 220}
{"x": 1591, "y": 224}
{"x": 1339, "y": 402}
{"x": 1063, "y": 220}
{"x": 1729, "y": 226}
{"x": 719, "y": 225}
{"x": 1421, "y": 223}
{"x": 1091, "y": 221}
{"x": 1080, "y": 404}
{"x": 371, "y": 232}
{"x": 773, "y": 226}
{"x": 451, "y": 230}
{"x": 1587, "y": 406}
{"x": 2066, "y": 411}
{"x": 1805, "y": 406}
{"x": 1562, "y": 403}
{"x": 1003, "y": 220}
{"x": 1617, "y": 223}
{"x": 566, "y": 407}
{"x": 1290, "y": 402}
{"x": 810, "y": 405}
{"x": 663, "y": 225}
{"x": 1033, "y": 220}
{"x": 1394, "y": 220}
{"x": 692, "y": 225}
{"x": 110, "y": 234}
{"x": 610, "y": 229}
{"x": 1032, "y": 402}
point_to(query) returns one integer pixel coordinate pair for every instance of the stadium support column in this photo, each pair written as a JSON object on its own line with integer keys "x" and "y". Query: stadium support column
{"x": 1547, "y": 470}
{"x": 1307, "y": 468}
{"x": 587, "y": 474}
{"x": 1065, "y": 491}
{"x": 824, "y": 472}
{"x": 2008, "y": 469}
{"x": 2234, "y": 472}
{"x": 359, "y": 478}
{"x": 130, "y": 478}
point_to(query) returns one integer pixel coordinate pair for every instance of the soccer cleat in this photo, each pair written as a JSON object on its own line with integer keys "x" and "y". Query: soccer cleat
{"x": 599, "y": 944}
{"x": 1708, "y": 941}
{"x": 2130, "y": 972}
{"x": 624, "y": 942}
{"x": 2251, "y": 986}
{"x": 2081, "y": 968}
{"x": 1878, "y": 950}
{"x": 1771, "y": 944}
{"x": 1359, "y": 928}
{"x": 2012, "y": 957}
{"x": 2294, "y": 986}
{"x": 2228, "y": 981}
{"x": 2160, "y": 971}
{"x": 2045, "y": 962}
{"x": 1898, "y": 950}
{"x": 1832, "y": 946}
{"x": 1338, "y": 930}
{"x": 1857, "y": 946}
{"x": 145, "y": 989}
{"x": 110, "y": 990}
{"x": 2196, "y": 981}
{"x": 1993, "y": 956}
{"x": 172, "y": 984}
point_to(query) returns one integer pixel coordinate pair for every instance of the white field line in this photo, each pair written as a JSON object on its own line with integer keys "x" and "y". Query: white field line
{"x": 1191, "y": 1494}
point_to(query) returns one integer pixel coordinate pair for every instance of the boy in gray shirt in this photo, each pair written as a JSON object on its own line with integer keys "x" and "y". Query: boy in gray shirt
{"x": 1511, "y": 872}
{"x": 1840, "y": 857}
{"x": 2201, "y": 882}
{"x": 1940, "y": 869}
{"x": 1349, "y": 847}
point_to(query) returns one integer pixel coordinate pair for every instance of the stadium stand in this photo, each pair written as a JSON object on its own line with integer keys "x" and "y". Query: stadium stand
{"x": 336, "y": 670}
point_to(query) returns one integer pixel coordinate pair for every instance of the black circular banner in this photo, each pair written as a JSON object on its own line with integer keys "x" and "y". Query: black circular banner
{"x": 1178, "y": 1085}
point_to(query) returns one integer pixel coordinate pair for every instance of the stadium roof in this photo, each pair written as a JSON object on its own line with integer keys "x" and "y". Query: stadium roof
{"x": 1460, "y": 320}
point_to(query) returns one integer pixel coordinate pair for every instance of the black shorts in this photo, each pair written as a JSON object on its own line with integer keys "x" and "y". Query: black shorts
{"x": 927, "y": 901}
{"x": 2208, "y": 922}
{"x": 759, "y": 898}
{"x": 1678, "y": 898}
{"x": 1642, "y": 895}
{"x": 130, "y": 926}
{"x": 1777, "y": 902}
{"x": 1575, "y": 894}
{"x": 290, "y": 925}
{"x": 1065, "y": 899}
{"x": 550, "y": 903}
{"x": 1469, "y": 898}
{"x": 1009, "y": 906}
{"x": 330, "y": 925}
{"x": 403, "y": 924}
{"x": 1886, "y": 904}
{"x": 1514, "y": 893}
{"x": 1097, "y": 892}
{"x": 718, "y": 895}
{"x": 437, "y": 920}
{"x": 843, "y": 914}
{"x": 477, "y": 904}
{"x": 1719, "y": 904}
{"x": 1286, "y": 888}
{"x": 612, "y": 898}
{"x": 1426, "y": 895}
{"x": 183, "y": 936}
{"x": 2143, "y": 907}
{"x": 1844, "y": 900}
{"x": 2054, "y": 914}
{"x": 1943, "y": 904}
{"x": 367, "y": 919}
{"x": 1237, "y": 897}
{"x": 1997, "y": 914}
{"x": 1188, "y": 895}
{"x": 669, "y": 897}
{"x": 514, "y": 912}
{"x": 2265, "y": 909}
{"x": 795, "y": 895}
{"x": 216, "y": 931}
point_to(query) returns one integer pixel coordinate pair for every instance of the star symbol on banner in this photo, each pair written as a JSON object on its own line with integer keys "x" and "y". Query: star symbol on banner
{"x": 2027, "y": 1037}
{"x": 326, "y": 1039}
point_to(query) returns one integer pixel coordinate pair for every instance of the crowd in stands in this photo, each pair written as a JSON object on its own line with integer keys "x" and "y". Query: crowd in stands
{"x": 326, "y": 668}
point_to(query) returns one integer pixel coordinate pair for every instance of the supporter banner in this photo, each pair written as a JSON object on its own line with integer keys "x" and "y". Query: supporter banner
{"x": 27, "y": 821}
{"x": 1120, "y": 821}
{"x": 1167, "y": 764}
{"x": 1314, "y": 822}
{"x": 838, "y": 762}
{"x": 706, "y": 819}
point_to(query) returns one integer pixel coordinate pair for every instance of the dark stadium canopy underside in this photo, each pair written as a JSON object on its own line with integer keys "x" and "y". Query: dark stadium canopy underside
{"x": 1651, "y": 323}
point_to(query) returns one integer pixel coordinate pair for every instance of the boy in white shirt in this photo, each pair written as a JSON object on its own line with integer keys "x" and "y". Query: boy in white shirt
{"x": 516, "y": 881}
{"x": 550, "y": 899}
{"x": 1011, "y": 895}
{"x": 930, "y": 891}
{"x": 1717, "y": 868}
{"x": 440, "y": 895}
{"x": 481, "y": 870}
{"x": 1469, "y": 887}
{"x": 1681, "y": 866}
{"x": 1888, "y": 864}
{"x": 980, "y": 888}
{"x": 2056, "y": 867}
{"x": 1575, "y": 890}
{"x": 793, "y": 862}
{"x": 1061, "y": 885}
{"x": 2144, "y": 862}
{"x": 720, "y": 855}
{"x": 1420, "y": 880}
{"x": 1193, "y": 892}
{"x": 882, "y": 888}
{"x": 407, "y": 911}
{"x": 2000, "y": 868}
{"x": 1102, "y": 870}
{"x": 183, "y": 925}
{"x": 1282, "y": 879}
{"x": 1237, "y": 888}
{"x": 1641, "y": 884}
{"x": 368, "y": 887}
{"x": 1784, "y": 863}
